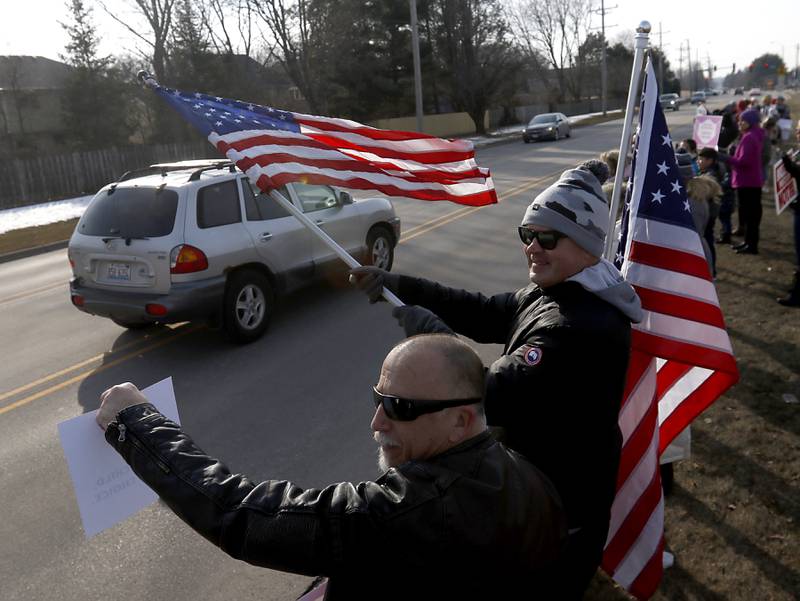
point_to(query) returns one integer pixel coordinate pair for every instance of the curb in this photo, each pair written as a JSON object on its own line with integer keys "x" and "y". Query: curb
{"x": 30, "y": 252}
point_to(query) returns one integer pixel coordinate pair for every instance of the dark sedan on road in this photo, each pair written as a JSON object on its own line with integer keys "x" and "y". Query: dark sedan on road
{"x": 548, "y": 125}
{"x": 670, "y": 101}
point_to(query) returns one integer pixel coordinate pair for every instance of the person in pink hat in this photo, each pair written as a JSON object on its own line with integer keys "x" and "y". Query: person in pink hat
{"x": 747, "y": 177}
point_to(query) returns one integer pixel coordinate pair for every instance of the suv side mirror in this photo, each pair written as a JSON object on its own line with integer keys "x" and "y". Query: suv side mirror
{"x": 345, "y": 198}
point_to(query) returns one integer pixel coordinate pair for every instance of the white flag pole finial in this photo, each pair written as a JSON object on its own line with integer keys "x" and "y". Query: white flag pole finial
{"x": 641, "y": 41}
{"x": 147, "y": 79}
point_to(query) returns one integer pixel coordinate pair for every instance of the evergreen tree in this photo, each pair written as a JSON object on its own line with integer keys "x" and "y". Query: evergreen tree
{"x": 95, "y": 104}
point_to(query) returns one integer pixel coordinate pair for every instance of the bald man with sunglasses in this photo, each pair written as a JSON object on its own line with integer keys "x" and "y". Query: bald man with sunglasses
{"x": 557, "y": 388}
{"x": 455, "y": 514}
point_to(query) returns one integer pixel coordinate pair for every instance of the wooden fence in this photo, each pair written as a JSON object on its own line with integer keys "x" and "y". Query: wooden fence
{"x": 31, "y": 181}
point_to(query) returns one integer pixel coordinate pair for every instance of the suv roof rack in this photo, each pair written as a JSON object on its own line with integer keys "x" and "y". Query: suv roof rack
{"x": 220, "y": 165}
{"x": 164, "y": 168}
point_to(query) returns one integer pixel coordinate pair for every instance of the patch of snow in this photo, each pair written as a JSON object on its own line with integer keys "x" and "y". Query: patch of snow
{"x": 42, "y": 214}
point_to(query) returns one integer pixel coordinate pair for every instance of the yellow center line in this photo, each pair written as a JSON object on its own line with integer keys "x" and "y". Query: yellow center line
{"x": 463, "y": 212}
{"x": 94, "y": 359}
{"x": 436, "y": 220}
{"x": 82, "y": 375}
{"x": 452, "y": 216}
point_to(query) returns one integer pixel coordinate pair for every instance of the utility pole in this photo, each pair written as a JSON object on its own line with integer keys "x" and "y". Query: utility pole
{"x": 697, "y": 64}
{"x": 690, "y": 77}
{"x": 417, "y": 68}
{"x": 603, "y": 63}
{"x": 680, "y": 65}
{"x": 660, "y": 60}
{"x": 796, "y": 62}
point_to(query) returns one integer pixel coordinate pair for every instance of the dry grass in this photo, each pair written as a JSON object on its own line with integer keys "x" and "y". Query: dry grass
{"x": 31, "y": 237}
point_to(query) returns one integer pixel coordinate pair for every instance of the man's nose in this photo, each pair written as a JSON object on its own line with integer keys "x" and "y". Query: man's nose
{"x": 534, "y": 246}
{"x": 379, "y": 423}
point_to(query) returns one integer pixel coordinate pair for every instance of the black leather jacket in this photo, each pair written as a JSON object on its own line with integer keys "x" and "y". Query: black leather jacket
{"x": 477, "y": 519}
{"x": 556, "y": 389}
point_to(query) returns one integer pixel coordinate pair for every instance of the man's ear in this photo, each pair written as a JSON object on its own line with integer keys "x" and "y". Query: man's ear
{"x": 463, "y": 419}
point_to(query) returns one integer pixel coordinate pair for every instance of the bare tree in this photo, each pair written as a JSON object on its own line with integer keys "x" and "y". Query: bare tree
{"x": 158, "y": 14}
{"x": 554, "y": 30}
{"x": 477, "y": 57}
{"x": 303, "y": 31}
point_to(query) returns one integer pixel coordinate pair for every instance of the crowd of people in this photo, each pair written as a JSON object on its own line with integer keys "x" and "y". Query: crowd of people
{"x": 751, "y": 139}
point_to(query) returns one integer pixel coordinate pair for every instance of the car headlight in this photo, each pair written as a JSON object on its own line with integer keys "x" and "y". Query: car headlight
{"x": 551, "y": 128}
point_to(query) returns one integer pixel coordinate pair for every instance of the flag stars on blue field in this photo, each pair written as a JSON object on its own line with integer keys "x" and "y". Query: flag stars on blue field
{"x": 657, "y": 196}
{"x": 666, "y": 140}
{"x": 663, "y": 168}
{"x": 676, "y": 186}
{"x": 686, "y": 206}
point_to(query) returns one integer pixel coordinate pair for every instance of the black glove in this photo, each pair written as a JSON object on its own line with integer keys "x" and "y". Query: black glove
{"x": 418, "y": 320}
{"x": 372, "y": 280}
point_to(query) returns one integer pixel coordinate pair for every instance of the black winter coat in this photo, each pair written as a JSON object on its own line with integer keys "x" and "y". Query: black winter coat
{"x": 557, "y": 388}
{"x": 467, "y": 523}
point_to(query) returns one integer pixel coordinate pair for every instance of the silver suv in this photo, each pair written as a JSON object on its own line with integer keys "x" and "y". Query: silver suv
{"x": 195, "y": 241}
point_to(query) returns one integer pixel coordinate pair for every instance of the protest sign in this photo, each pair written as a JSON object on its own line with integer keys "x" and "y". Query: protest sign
{"x": 106, "y": 488}
{"x": 784, "y": 187}
{"x": 706, "y": 130}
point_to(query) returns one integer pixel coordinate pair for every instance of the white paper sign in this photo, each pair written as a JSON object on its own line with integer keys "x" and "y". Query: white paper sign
{"x": 706, "y": 130}
{"x": 106, "y": 488}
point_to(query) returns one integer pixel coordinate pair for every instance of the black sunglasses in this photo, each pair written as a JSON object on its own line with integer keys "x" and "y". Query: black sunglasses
{"x": 547, "y": 240}
{"x": 407, "y": 410}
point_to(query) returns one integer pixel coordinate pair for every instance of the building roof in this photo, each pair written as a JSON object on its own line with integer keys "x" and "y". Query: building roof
{"x": 32, "y": 72}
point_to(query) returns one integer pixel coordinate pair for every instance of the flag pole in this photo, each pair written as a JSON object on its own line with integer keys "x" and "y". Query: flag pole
{"x": 150, "y": 82}
{"x": 332, "y": 244}
{"x": 641, "y": 41}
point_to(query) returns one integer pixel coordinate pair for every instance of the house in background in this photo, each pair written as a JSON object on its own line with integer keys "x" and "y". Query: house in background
{"x": 30, "y": 101}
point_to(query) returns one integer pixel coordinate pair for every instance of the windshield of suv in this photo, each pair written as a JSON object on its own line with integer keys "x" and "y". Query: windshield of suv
{"x": 130, "y": 213}
{"x": 549, "y": 118}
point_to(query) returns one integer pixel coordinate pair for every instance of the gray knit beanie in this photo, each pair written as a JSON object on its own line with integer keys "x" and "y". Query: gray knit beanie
{"x": 575, "y": 206}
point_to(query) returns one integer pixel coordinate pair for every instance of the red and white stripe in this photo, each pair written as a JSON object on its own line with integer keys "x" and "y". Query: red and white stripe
{"x": 351, "y": 155}
{"x": 681, "y": 362}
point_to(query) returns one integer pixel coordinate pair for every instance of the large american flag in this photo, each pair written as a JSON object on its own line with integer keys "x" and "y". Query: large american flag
{"x": 275, "y": 147}
{"x": 681, "y": 356}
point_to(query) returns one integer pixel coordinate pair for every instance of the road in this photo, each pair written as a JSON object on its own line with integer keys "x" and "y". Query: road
{"x": 295, "y": 405}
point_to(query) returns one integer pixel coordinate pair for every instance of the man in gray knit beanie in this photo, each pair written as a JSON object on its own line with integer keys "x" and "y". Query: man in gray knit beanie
{"x": 575, "y": 206}
{"x": 557, "y": 388}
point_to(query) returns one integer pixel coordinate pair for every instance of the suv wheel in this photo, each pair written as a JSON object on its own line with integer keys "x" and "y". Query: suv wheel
{"x": 247, "y": 306}
{"x": 380, "y": 251}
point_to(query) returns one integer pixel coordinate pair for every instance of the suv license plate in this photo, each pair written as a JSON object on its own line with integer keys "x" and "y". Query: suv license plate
{"x": 119, "y": 272}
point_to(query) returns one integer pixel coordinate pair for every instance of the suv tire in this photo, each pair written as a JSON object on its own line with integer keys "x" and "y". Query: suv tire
{"x": 247, "y": 307}
{"x": 380, "y": 248}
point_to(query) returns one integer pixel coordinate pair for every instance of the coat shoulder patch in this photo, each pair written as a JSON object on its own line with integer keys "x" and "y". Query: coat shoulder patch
{"x": 531, "y": 354}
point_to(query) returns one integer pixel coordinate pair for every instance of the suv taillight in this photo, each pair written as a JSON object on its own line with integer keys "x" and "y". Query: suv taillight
{"x": 187, "y": 259}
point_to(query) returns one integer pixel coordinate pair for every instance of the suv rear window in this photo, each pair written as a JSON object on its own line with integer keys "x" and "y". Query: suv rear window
{"x": 131, "y": 213}
{"x": 218, "y": 204}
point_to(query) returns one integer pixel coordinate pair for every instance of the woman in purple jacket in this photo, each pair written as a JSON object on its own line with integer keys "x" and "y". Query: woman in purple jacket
{"x": 747, "y": 178}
